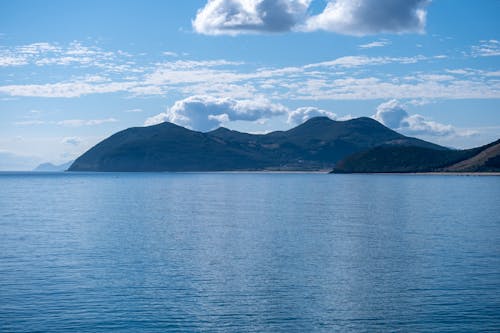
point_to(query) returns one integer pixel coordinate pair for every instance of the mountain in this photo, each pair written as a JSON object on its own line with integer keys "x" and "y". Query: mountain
{"x": 422, "y": 159}
{"x": 315, "y": 145}
{"x": 49, "y": 167}
{"x": 487, "y": 159}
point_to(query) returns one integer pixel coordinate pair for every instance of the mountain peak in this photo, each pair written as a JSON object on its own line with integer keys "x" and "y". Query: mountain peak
{"x": 365, "y": 121}
{"x": 319, "y": 120}
{"x": 316, "y": 144}
{"x": 220, "y": 130}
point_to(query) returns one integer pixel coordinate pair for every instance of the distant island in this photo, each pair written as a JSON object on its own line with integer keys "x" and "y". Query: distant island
{"x": 50, "y": 167}
{"x": 319, "y": 144}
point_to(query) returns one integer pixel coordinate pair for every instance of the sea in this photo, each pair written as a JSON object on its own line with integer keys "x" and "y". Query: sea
{"x": 248, "y": 252}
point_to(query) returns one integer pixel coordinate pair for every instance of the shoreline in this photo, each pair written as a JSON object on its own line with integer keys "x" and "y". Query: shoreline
{"x": 316, "y": 172}
{"x": 489, "y": 174}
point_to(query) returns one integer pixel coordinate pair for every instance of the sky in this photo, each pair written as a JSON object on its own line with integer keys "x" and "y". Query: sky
{"x": 74, "y": 72}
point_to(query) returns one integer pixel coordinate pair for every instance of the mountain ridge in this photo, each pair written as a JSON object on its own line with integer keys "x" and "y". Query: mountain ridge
{"x": 317, "y": 144}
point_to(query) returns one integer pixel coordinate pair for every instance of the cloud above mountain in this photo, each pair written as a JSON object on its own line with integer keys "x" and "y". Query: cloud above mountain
{"x": 393, "y": 114}
{"x": 350, "y": 17}
{"x": 204, "y": 113}
{"x": 301, "y": 115}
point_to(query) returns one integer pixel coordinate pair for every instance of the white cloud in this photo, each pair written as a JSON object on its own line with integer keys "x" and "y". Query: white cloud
{"x": 300, "y": 115}
{"x": 74, "y": 54}
{"x": 191, "y": 64}
{"x": 67, "y": 122}
{"x": 30, "y": 122}
{"x": 351, "y": 17}
{"x": 73, "y": 141}
{"x": 364, "y": 17}
{"x": 134, "y": 110}
{"x": 82, "y": 122}
{"x": 436, "y": 77}
{"x": 205, "y": 113}
{"x": 493, "y": 73}
{"x": 8, "y": 60}
{"x": 65, "y": 89}
{"x": 156, "y": 119}
{"x": 170, "y": 54}
{"x": 458, "y": 71}
{"x": 327, "y": 80}
{"x": 393, "y": 114}
{"x": 417, "y": 124}
{"x": 487, "y": 48}
{"x": 232, "y": 17}
{"x": 96, "y": 79}
{"x": 343, "y": 78}
{"x": 379, "y": 43}
{"x": 366, "y": 88}
{"x": 358, "y": 61}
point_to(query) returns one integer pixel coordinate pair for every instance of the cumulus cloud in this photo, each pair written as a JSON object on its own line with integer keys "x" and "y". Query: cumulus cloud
{"x": 351, "y": 17}
{"x": 300, "y": 115}
{"x": 232, "y": 17}
{"x": 393, "y": 114}
{"x": 204, "y": 113}
{"x": 364, "y": 17}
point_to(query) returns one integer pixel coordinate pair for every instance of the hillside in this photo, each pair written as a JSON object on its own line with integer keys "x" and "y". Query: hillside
{"x": 315, "y": 145}
{"x": 422, "y": 159}
{"x": 487, "y": 159}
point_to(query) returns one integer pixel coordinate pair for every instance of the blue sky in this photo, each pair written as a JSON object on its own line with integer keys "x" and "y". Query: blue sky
{"x": 75, "y": 72}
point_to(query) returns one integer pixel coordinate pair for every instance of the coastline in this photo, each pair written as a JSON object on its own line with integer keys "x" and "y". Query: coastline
{"x": 484, "y": 174}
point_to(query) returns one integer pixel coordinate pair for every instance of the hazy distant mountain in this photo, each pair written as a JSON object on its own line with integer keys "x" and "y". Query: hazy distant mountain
{"x": 421, "y": 159}
{"x": 315, "y": 145}
{"x": 49, "y": 167}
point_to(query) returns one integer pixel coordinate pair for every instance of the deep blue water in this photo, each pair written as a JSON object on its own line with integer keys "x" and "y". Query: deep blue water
{"x": 249, "y": 252}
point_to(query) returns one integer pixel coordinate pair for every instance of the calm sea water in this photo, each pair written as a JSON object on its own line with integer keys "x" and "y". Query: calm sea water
{"x": 248, "y": 252}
